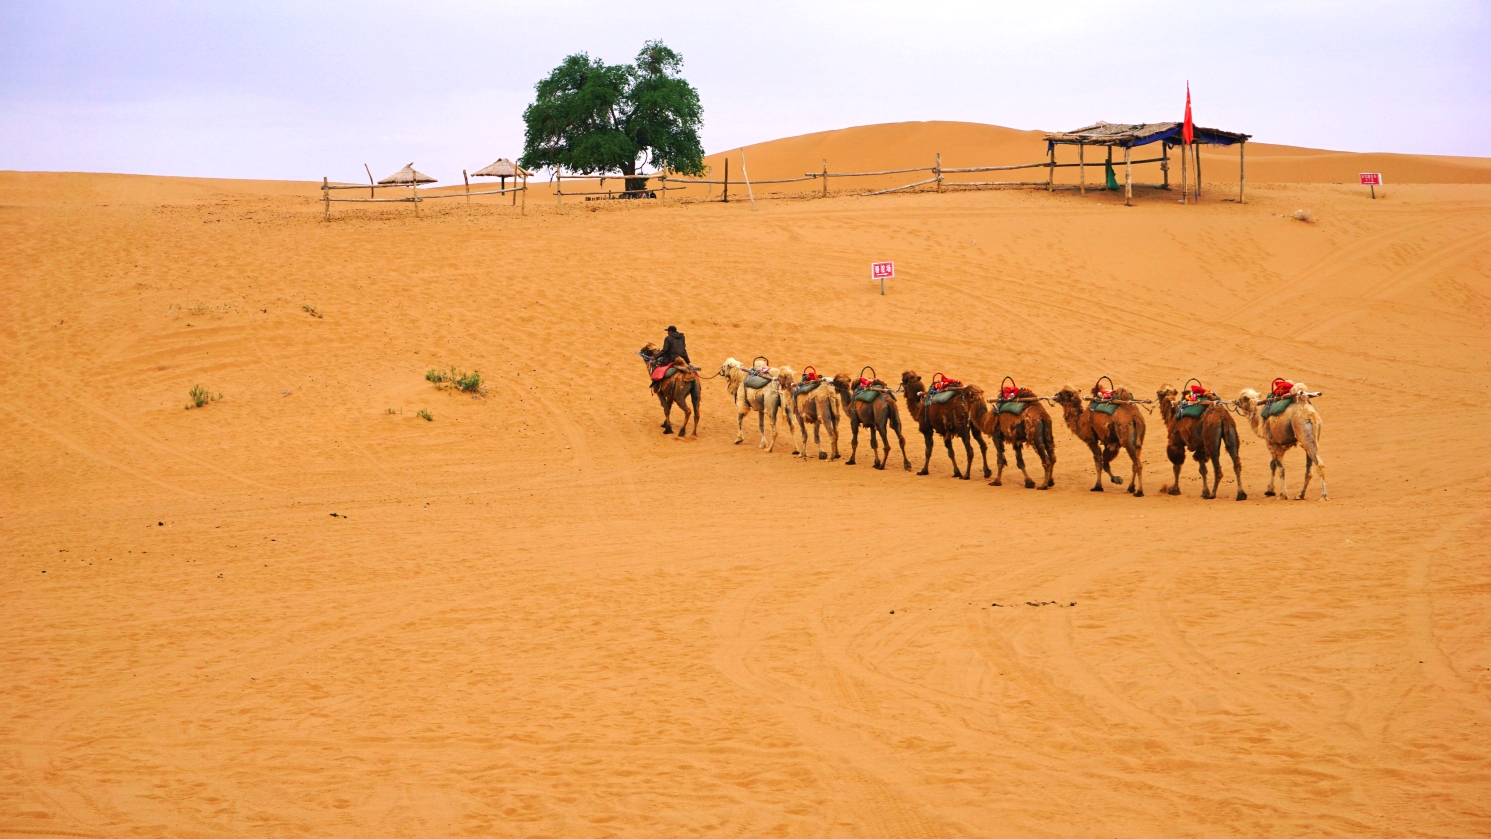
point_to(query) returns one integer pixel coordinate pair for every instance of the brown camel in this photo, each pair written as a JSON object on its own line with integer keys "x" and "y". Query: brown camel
{"x": 678, "y": 388}
{"x": 815, "y": 403}
{"x": 1019, "y": 419}
{"x": 1105, "y": 434}
{"x": 958, "y": 417}
{"x": 1299, "y": 424}
{"x": 1204, "y": 435}
{"x": 880, "y": 414}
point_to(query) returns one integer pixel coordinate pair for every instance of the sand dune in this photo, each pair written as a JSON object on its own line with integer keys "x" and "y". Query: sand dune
{"x": 292, "y": 612}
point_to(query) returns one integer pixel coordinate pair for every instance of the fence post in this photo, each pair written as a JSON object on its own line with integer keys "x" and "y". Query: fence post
{"x": 825, "y": 177}
{"x": 1242, "y": 172}
{"x": 1051, "y": 168}
{"x": 727, "y": 180}
{"x": 938, "y": 171}
{"x": 558, "y": 190}
{"x": 524, "y": 209}
{"x": 467, "y": 179}
{"x": 326, "y": 197}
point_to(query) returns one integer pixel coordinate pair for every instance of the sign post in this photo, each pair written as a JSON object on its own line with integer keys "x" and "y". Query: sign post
{"x": 882, "y": 271}
{"x": 1372, "y": 180}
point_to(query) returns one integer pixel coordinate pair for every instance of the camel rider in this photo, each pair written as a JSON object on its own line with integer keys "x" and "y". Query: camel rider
{"x": 673, "y": 348}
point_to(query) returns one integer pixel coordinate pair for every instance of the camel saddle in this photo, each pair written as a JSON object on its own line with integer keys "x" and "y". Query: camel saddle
{"x": 1012, "y": 407}
{"x": 1103, "y": 407}
{"x": 942, "y": 396}
{"x": 870, "y": 394}
{"x": 1274, "y": 407}
{"x": 807, "y": 387}
{"x": 755, "y": 382}
{"x": 1195, "y": 409}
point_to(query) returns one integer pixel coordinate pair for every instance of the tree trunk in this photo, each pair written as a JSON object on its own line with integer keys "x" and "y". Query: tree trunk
{"x": 633, "y": 184}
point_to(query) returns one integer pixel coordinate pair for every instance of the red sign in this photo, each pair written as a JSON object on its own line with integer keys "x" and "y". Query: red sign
{"x": 882, "y": 270}
{"x": 1371, "y": 179}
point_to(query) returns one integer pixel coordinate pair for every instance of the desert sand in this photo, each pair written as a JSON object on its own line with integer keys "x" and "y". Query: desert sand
{"x": 302, "y": 610}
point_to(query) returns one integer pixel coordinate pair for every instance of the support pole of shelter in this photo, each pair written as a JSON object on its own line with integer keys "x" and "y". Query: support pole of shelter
{"x": 1197, "y": 148}
{"x": 1082, "y": 167}
{"x": 326, "y": 197}
{"x": 1128, "y": 178}
{"x": 825, "y": 177}
{"x": 558, "y": 191}
{"x": 1051, "y": 172}
{"x": 938, "y": 170}
{"x": 370, "y": 179}
{"x": 1165, "y": 164}
{"x": 415, "y": 187}
{"x": 1185, "y": 186}
{"x": 467, "y": 179}
{"x": 1242, "y": 173}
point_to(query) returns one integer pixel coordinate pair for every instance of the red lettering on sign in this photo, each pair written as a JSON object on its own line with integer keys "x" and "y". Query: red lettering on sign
{"x": 882, "y": 270}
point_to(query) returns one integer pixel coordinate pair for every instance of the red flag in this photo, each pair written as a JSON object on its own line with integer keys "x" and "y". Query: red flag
{"x": 1188, "y": 133}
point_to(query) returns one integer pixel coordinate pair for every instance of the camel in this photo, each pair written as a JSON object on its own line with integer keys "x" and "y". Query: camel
{"x": 1105, "y": 434}
{"x": 958, "y": 417}
{"x": 818, "y": 406}
{"x": 1031, "y": 425}
{"x": 1205, "y": 436}
{"x": 765, "y": 400}
{"x": 677, "y": 389}
{"x": 880, "y": 415}
{"x": 1298, "y": 425}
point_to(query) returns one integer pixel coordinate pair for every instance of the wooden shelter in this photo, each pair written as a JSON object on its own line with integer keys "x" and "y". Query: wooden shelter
{"x": 1129, "y": 135}
{"x": 502, "y": 168}
{"x": 407, "y": 177}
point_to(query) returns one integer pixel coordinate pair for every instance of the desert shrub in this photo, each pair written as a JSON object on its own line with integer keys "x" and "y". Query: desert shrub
{"x": 469, "y": 383}
{"x": 392, "y": 411}
{"x": 424, "y": 414}
{"x": 310, "y": 310}
{"x": 458, "y": 379}
{"x": 201, "y": 396}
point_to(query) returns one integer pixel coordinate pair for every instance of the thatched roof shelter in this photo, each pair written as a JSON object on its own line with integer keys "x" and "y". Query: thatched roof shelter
{"x": 1127, "y": 136}
{"x": 1141, "y": 134}
{"x": 502, "y": 168}
{"x": 406, "y": 177}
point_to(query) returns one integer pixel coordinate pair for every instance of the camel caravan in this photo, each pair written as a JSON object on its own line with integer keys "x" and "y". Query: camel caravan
{"x": 1107, "y": 419}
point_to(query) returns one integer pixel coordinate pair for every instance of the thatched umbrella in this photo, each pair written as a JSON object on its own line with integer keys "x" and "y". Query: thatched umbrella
{"x": 504, "y": 169}
{"x": 406, "y": 177}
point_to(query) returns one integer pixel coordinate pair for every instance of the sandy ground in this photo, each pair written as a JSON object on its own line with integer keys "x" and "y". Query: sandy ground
{"x": 294, "y": 613}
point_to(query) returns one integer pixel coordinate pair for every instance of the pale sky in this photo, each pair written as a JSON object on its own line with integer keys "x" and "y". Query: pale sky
{"x": 299, "y": 90}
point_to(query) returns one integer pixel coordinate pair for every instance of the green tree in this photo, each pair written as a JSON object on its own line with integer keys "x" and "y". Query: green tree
{"x": 591, "y": 117}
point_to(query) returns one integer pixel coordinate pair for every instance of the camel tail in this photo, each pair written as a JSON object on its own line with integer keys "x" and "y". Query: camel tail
{"x": 1229, "y": 437}
{"x": 1049, "y": 436}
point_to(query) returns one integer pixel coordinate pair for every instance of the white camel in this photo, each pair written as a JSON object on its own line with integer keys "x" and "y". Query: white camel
{"x": 821, "y": 408}
{"x": 1297, "y": 425}
{"x": 765, "y": 400}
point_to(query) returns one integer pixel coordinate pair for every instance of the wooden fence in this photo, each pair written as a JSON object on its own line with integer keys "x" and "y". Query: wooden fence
{"x": 414, "y": 197}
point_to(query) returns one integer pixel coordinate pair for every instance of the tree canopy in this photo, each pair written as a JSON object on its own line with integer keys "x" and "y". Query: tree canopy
{"x": 591, "y": 117}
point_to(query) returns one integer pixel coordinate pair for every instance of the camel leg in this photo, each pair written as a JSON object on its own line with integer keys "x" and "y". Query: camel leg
{"x": 684, "y": 427}
{"x": 927, "y": 463}
{"x": 884, "y": 455}
{"x": 1045, "y": 451}
{"x": 999, "y": 461}
{"x": 968, "y": 448}
{"x": 1230, "y": 439}
{"x": 853, "y": 442}
{"x": 876, "y": 432}
{"x": 1020, "y": 462}
{"x": 833, "y": 435}
{"x": 947, "y": 440}
{"x": 1136, "y": 483}
{"x": 1311, "y": 445}
{"x": 1205, "y": 481}
{"x": 1306, "y": 487}
{"x": 1277, "y": 463}
{"x": 771, "y": 440}
{"x": 983, "y": 450}
{"x": 905, "y": 461}
{"x": 667, "y": 405}
{"x": 740, "y": 415}
{"x": 1097, "y": 465}
{"x": 1110, "y": 451}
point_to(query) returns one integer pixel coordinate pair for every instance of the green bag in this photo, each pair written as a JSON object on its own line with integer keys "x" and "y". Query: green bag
{"x": 1105, "y": 407}
{"x": 1108, "y": 170}
{"x": 868, "y": 395}
{"x": 1193, "y": 411}
{"x": 1016, "y": 408}
{"x": 755, "y": 382}
{"x": 807, "y": 387}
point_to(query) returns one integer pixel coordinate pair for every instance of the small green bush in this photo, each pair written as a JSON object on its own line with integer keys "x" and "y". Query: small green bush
{"x": 469, "y": 383}
{"x": 310, "y": 310}
{"x": 392, "y": 411}
{"x": 201, "y": 396}
{"x": 425, "y": 415}
{"x": 458, "y": 379}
